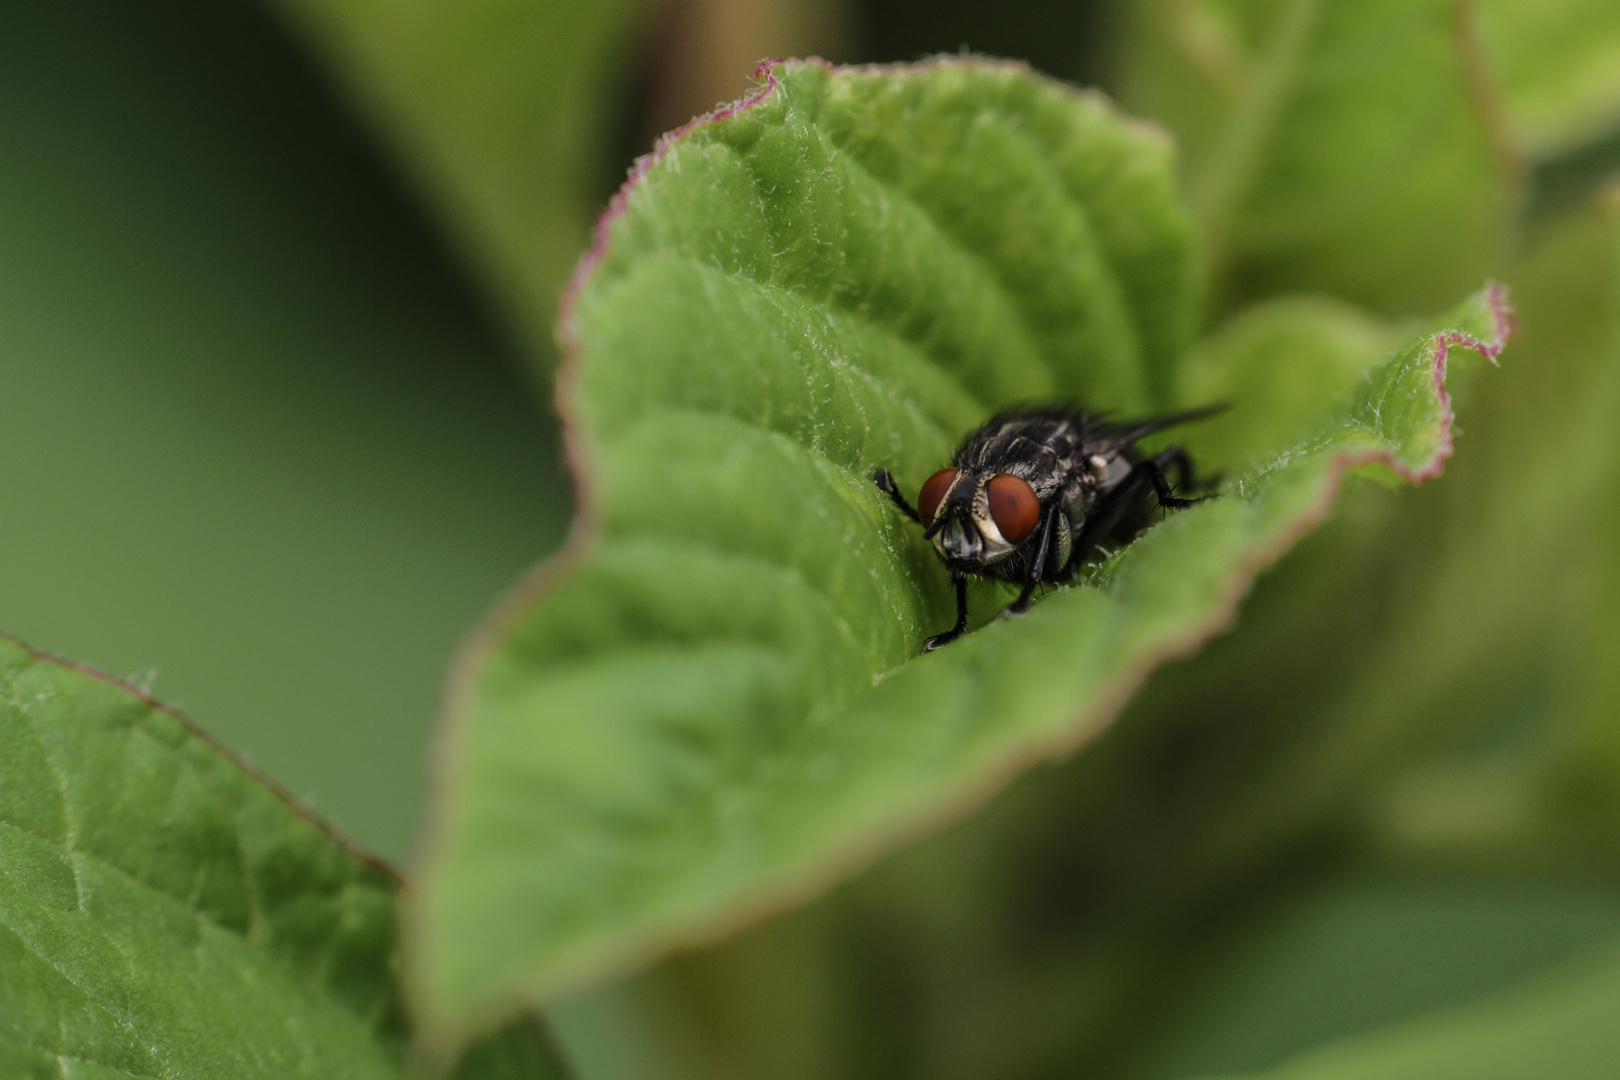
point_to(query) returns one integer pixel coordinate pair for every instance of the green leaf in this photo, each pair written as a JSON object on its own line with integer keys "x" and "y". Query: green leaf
{"x": 218, "y": 258}
{"x": 1410, "y": 675}
{"x": 162, "y": 912}
{"x": 1283, "y": 366}
{"x": 1558, "y": 65}
{"x": 1561, "y": 1029}
{"x": 1338, "y": 148}
{"x": 712, "y": 704}
{"x": 523, "y": 1050}
{"x": 496, "y": 107}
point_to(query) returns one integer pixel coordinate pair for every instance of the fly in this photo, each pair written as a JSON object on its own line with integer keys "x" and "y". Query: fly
{"x": 1033, "y": 492}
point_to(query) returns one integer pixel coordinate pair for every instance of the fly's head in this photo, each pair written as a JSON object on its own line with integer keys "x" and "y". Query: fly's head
{"x": 976, "y": 517}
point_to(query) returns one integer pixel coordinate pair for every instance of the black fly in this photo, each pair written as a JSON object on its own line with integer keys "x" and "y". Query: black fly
{"x": 1034, "y": 491}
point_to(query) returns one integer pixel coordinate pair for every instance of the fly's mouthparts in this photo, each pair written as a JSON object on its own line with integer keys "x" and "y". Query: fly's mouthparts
{"x": 957, "y": 541}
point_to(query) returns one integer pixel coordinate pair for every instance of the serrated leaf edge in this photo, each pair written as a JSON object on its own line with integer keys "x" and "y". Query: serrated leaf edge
{"x": 247, "y": 768}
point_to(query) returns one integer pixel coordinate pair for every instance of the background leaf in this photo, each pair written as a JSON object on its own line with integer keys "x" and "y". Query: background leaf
{"x": 1558, "y": 67}
{"x": 1561, "y": 1028}
{"x": 1283, "y": 365}
{"x": 162, "y": 913}
{"x": 264, "y": 446}
{"x": 498, "y": 110}
{"x": 1333, "y": 148}
{"x": 587, "y": 821}
{"x": 523, "y": 1050}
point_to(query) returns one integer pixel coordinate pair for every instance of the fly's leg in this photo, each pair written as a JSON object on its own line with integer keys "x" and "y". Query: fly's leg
{"x": 956, "y": 631}
{"x": 1153, "y": 468}
{"x": 1175, "y": 455}
{"x": 1036, "y": 566}
{"x": 885, "y": 484}
{"x": 1144, "y": 476}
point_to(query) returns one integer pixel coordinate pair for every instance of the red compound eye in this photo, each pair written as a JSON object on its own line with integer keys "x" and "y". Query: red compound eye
{"x": 1013, "y": 505}
{"x": 933, "y": 490}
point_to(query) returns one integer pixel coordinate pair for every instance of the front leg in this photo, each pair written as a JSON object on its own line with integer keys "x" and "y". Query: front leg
{"x": 885, "y": 484}
{"x": 939, "y": 640}
{"x": 1037, "y": 565}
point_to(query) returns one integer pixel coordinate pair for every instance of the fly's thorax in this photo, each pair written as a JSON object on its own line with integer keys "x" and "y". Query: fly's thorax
{"x": 1090, "y": 478}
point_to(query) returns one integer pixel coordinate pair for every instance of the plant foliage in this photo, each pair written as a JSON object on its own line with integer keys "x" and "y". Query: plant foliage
{"x": 714, "y": 704}
{"x": 711, "y": 706}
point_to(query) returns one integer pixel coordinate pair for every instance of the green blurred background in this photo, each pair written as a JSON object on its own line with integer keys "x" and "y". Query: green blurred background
{"x": 275, "y": 436}
{"x": 267, "y": 447}
{"x": 260, "y": 438}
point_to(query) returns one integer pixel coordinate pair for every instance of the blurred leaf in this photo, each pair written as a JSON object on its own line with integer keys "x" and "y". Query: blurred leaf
{"x": 919, "y": 970}
{"x": 1560, "y": 1029}
{"x": 1360, "y": 949}
{"x": 162, "y": 913}
{"x": 1282, "y": 366}
{"x": 497, "y": 106}
{"x": 1558, "y": 65}
{"x": 712, "y": 705}
{"x": 1331, "y": 147}
{"x": 523, "y": 1050}
{"x": 259, "y": 437}
{"x": 1573, "y": 799}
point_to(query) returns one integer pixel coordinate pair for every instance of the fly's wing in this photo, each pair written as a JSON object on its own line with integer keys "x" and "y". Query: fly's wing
{"x": 1115, "y": 439}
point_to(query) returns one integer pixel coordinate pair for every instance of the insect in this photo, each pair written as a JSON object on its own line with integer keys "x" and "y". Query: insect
{"x": 1034, "y": 491}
